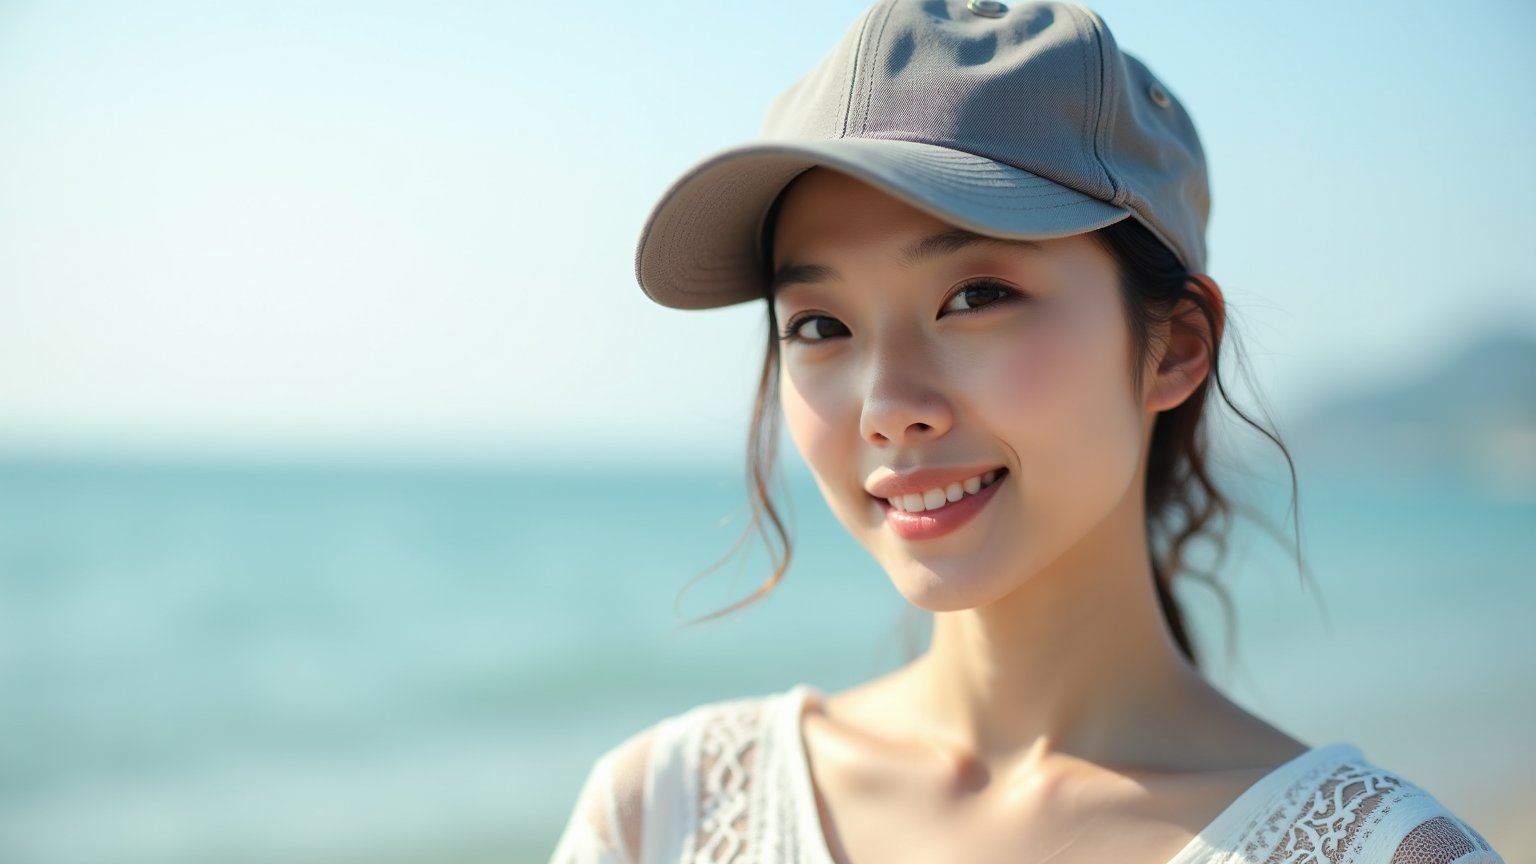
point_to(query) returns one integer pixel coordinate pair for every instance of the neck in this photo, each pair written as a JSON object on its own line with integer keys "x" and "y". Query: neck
{"x": 1076, "y": 660}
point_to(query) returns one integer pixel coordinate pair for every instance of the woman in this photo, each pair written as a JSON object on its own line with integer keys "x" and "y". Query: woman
{"x": 979, "y": 229}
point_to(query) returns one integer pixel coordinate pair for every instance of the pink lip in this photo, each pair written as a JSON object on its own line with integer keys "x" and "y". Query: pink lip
{"x": 932, "y": 524}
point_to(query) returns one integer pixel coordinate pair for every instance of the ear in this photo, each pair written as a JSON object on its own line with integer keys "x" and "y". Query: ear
{"x": 1186, "y": 355}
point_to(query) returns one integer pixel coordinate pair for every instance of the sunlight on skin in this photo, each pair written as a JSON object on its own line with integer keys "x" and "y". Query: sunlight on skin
{"x": 1052, "y": 697}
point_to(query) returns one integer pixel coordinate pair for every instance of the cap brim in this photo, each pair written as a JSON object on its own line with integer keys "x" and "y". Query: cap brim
{"x": 699, "y": 248}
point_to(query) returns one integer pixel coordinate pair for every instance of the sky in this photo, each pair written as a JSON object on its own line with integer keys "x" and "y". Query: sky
{"x": 406, "y": 230}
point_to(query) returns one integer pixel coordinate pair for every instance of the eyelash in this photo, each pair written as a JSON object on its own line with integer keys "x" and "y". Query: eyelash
{"x": 791, "y": 332}
{"x": 1006, "y": 294}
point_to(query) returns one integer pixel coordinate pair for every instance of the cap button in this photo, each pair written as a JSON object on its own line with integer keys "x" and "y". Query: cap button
{"x": 987, "y": 8}
{"x": 1159, "y": 95}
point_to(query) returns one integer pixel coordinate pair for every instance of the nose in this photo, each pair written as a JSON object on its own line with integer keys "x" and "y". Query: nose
{"x": 902, "y": 404}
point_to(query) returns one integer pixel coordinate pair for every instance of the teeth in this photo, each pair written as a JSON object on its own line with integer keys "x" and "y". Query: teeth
{"x": 939, "y": 496}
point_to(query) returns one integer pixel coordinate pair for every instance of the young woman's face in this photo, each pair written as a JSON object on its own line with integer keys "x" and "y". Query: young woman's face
{"x": 923, "y": 361}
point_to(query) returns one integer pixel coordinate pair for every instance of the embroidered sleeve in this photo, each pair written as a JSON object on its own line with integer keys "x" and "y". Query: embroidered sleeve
{"x": 1359, "y": 814}
{"x": 605, "y": 825}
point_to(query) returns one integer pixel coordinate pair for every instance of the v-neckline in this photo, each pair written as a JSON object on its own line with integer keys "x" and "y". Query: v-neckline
{"x": 1233, "y": 817}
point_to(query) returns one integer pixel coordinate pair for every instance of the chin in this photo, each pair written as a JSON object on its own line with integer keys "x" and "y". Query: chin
{"x": 943, "y": 588}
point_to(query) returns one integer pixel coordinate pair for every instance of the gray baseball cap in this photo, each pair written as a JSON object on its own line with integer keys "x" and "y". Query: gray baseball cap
{"x": 1020, "y": 120}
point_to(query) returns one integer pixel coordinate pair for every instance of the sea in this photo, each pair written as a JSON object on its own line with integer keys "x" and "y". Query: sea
{"x": 333, "y": 663}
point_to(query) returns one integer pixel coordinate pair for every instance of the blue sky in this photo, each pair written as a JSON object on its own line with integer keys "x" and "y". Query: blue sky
{"x": 407, "y": 229}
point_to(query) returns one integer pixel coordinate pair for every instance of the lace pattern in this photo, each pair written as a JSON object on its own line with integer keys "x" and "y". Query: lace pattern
{"x": 1437, "y": 841}
{"x": 1329, "y": 818}
{"x": 729, "y": 750}
{"x": 1264, "y": 833}
{"x": 1441, "y": 840}
{"x": 1338, "y": 815}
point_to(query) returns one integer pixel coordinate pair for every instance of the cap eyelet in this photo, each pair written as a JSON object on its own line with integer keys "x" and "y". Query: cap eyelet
{"x": 987, "y": 8}
{"x": 1159, "y": 95}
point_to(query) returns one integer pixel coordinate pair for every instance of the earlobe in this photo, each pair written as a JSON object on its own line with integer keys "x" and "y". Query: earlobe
{"x": 1191, "y": 341}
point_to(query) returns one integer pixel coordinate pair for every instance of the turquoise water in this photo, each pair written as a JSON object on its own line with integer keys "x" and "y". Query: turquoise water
{"x": 325, "y": 664}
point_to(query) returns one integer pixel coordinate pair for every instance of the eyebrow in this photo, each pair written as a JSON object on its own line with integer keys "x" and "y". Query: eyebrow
{"x": 942, "y": 243}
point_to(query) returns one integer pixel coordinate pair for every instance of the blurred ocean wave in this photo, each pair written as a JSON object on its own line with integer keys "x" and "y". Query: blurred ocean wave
{"x": 311, "y": 664}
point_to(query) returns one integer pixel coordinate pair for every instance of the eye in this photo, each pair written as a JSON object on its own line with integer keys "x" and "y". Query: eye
{"x": 972, "y": 296}
{"x": 810, "y": 327}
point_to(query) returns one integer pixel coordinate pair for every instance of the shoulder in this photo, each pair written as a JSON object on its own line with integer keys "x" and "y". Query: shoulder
{"x": 1347, "y": 809}
{"x": 671, "y": 749}
{"x": 657, "y": 767}
{"x": 705, "y": 727}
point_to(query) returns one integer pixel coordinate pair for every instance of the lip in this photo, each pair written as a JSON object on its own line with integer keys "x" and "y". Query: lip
{"x": 932, "y": 524}
{"x": 920, "y": 481}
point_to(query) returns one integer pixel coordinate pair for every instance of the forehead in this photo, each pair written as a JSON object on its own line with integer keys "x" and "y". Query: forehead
{"x": 823, "y": 210}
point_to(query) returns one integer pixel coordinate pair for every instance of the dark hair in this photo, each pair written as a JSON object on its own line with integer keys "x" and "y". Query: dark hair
{"x": 1182, "y": 500}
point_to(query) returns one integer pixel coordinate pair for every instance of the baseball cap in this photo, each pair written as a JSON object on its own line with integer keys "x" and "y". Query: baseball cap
{"x": 1018, "y": 120}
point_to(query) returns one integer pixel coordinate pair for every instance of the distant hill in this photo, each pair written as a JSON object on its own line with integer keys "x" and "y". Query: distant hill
{"x": 1474, "y": 415}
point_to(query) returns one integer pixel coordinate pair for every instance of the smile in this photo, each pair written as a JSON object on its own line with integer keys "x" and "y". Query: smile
{"x": 942, "y": 496}
{"x": 940, "y": 510}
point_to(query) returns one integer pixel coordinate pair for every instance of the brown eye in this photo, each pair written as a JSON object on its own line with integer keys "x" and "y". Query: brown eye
{"x": 814, "y": 328}
{"x": 974, "y": 295}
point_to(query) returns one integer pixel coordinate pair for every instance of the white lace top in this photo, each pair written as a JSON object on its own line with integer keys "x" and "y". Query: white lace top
{"x": 728, "y": 783}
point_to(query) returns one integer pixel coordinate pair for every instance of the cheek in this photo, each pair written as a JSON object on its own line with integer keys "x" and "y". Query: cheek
{"x": 1025, "y": 378}
{"x": 823, "y": 429}
{"x": 811, "y": 415}
{"x": 1037, "y": 384}
{"x": 1062, "y": 400}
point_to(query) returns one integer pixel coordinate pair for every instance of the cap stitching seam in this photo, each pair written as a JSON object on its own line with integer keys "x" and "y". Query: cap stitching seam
{"x": 1092, "y": 118}
{"x": 1077, "y": 25}
{"x": 853, "y": 76}
{"x": 869, "y": 92}
{"x": 1109, "y": 94}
